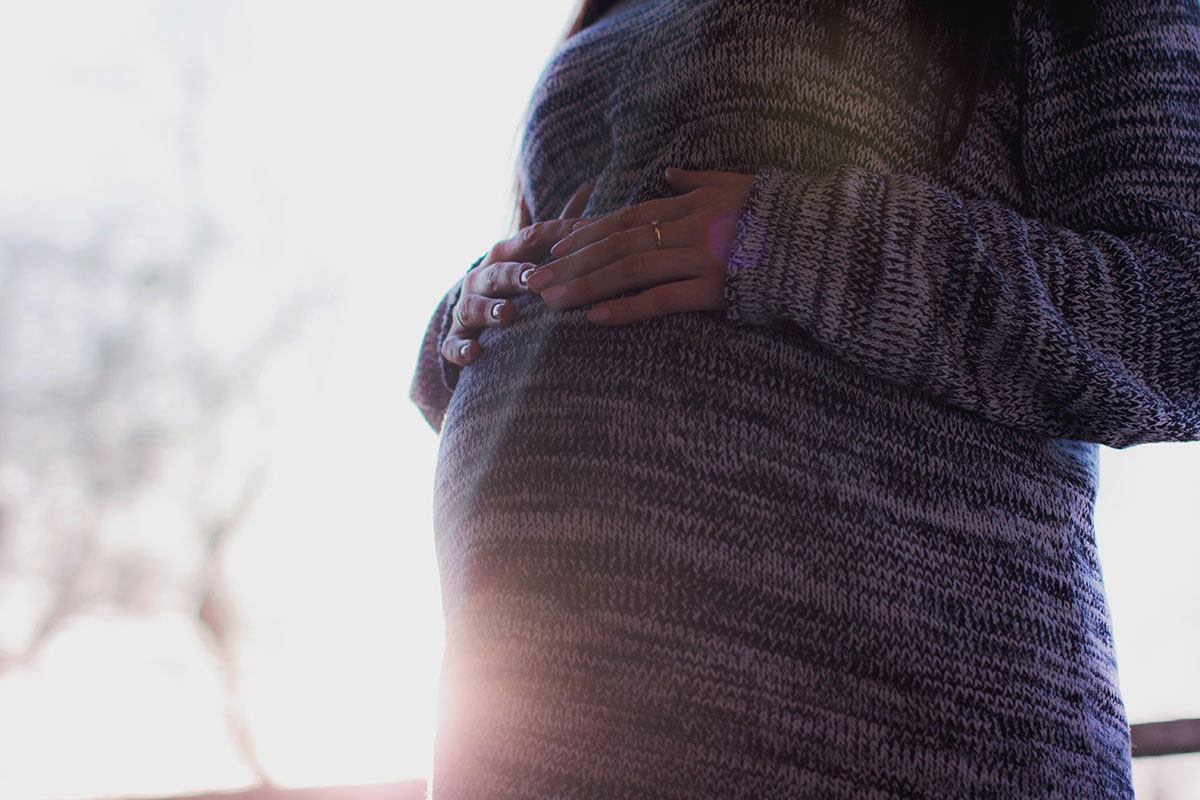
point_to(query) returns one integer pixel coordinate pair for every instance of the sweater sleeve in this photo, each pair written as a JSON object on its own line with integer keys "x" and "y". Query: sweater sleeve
{"x": 435, "y": 377}
{"x": 1080, "y": 321}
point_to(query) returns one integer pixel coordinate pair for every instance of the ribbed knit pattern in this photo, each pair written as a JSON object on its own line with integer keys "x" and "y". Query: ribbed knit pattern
{"x": 836, "y": 540}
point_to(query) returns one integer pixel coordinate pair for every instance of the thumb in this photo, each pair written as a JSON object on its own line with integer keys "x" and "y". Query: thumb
{"x": 686, "y": 180}
{"x": 578, "y": 202}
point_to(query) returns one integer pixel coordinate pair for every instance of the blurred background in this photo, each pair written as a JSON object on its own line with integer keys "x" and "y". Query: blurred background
{"x": 223, "y": 226}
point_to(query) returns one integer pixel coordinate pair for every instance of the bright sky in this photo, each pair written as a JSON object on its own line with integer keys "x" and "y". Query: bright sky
{"x": 365, "y": 147}
{"x": 359, "y": 147}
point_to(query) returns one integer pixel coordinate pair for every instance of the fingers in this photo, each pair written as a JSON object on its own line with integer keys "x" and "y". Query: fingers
{"x": 483, "y": 304}
{"x": 533, "y": 242}
{"x": 507, "y": 268}
{"x": 613, "y": 249}
{"x": 578, "y": 202}
{"x": 638, "y": 270}
{"x": 666, "y": 209}
{"x": 459, "y": 350}
{"x": 475, "y": 311}
{"x": 471, "y": 314}
{"x": 500, "y": 279}
{"x": 668, "y": 298}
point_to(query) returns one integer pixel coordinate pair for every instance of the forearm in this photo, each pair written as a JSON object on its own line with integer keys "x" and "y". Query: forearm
{"x": 1035, "y": 326}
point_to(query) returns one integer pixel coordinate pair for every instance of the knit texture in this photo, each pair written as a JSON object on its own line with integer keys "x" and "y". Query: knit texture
{"x": 835, "y": 541}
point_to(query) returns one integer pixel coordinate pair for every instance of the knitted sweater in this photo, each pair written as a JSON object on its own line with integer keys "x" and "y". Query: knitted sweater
{"x": 835, "y": 541}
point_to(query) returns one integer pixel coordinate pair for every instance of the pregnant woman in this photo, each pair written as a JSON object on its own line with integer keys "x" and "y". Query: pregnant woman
{"x": 775, "y": 477}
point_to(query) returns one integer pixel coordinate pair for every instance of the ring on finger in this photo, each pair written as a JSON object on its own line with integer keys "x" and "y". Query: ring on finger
{"x": 657, "y": 234}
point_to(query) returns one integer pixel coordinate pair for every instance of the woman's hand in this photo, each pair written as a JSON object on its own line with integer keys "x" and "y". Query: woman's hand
{"x": 684, "y": 271}
{"x": 503, "y": 273}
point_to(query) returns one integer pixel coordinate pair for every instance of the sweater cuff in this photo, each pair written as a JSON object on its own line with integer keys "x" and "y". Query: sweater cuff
{"x": 770, "y": 275}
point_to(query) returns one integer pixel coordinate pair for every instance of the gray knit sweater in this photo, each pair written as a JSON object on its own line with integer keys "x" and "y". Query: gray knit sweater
{"x": 836, "y": 540}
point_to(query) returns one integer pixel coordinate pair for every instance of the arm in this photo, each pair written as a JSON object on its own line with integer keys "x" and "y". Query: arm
{"x": 1083, "y": 322}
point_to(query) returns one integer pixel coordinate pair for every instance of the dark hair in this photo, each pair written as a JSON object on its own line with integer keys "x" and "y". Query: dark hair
{"x": 976, "y": 33}
{"x": 981, "y": 50}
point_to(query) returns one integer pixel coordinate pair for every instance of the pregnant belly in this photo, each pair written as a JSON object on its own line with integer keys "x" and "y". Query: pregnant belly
{"x": 678, "y": 419}
{"x": 697, "y": 541}
{"x": 652, "y": 434}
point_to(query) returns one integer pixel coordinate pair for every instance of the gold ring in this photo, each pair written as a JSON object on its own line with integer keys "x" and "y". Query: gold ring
{"x": 657, "y": 233}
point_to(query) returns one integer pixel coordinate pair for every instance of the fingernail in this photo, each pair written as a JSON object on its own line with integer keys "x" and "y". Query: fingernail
{"x": 563, "y": 246}
{"x": 540, "y": 279}
{"x": 496, "y": 309}
{"x": 580, "y": 224}
{"x": 524, "y": 279}
{"x": 465, "y": 350}
{"x": 598, "y": 314}
{"x": 554, "y": 293}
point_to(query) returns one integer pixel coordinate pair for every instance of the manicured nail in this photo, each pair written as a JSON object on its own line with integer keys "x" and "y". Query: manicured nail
{"x": 554, "y": 293}
{"x": 540, "y": 279}
{"x": 598, "y": 314}
{"x": 524, "y": 279}
{"x": 563, "y": 246}
{"x": 496, "y": 309}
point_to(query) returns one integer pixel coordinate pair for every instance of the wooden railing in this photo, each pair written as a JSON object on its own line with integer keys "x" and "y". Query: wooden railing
{"x": 1172, "y": 738}
{"x": 1175, "y": 737}
{"x": 407, "y": 790}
